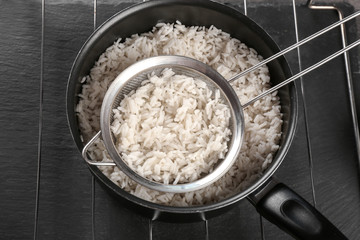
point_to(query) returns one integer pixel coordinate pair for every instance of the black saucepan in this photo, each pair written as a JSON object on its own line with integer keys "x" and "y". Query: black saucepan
{"x": 273, "y": 200}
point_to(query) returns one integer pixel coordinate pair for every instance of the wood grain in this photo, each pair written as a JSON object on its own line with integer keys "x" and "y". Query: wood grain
{"x": 335, "y": 162}
{"x": 65, "y": 190}
{"x": 20, "y": 29}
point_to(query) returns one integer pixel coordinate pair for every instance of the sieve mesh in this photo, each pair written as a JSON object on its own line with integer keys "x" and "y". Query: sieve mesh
{"x": 132, "y": 78}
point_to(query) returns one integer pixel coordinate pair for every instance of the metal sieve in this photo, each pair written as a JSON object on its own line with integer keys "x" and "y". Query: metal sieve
{"x": 132, "y": 77}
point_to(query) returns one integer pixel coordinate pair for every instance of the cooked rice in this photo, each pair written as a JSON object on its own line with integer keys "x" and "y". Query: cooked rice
{"x": 172, "y": 129}
{"x": 226, "y": 55}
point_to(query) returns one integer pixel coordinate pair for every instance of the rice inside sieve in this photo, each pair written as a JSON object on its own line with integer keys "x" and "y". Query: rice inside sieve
{"x": 131, "y": 79}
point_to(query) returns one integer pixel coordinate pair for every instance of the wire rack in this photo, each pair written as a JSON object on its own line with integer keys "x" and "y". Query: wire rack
{"x": 322, "y": 164}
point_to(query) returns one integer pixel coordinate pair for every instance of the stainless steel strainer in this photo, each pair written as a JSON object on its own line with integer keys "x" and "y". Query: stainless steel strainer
{"x": 132, "y": 77}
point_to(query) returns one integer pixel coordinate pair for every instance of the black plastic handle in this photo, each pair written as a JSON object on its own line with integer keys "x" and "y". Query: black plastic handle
{"x": 293, "y": 214}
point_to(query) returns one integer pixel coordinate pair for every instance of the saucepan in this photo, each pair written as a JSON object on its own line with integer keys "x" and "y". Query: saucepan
{"x": 275, "y": 201}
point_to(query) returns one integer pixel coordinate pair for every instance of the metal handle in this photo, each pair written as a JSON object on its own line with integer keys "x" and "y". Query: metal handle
{"x": 292, "y": 47}
{"x": 85, "y": 155}
{"x": 307, "y": 70}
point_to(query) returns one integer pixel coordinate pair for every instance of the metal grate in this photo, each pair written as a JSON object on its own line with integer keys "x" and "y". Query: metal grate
{"x": 245, "y": 4}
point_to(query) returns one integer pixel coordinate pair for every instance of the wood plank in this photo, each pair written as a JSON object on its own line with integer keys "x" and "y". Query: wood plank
{"x": 179, "y": 231}
{"x": 334, "y": 153}
{"x": 242, "y": 222}
{"x": 20, "y": 30}
{"x": 114, "y": 220}
{"x": 65, "y": 192}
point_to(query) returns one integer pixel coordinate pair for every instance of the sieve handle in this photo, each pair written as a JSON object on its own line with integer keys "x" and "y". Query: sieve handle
{"x": 293, "y": 214}
{"x": 296, "y": 45}
{"x": 86, "y": 157}
{"x": 300, "y": 74}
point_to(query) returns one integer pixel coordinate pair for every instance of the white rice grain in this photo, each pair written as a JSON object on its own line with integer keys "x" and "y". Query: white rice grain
{"x": 226, "y": 55}
{"x": 165, "y": 132}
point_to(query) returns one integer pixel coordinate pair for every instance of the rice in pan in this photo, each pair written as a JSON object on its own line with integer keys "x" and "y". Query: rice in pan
{"x": 226, "y": 55}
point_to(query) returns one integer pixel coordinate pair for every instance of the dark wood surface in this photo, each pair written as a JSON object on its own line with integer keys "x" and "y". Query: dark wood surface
{"x": 73, "y": 206}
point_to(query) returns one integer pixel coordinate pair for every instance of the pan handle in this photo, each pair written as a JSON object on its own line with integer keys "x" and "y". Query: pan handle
{"x": 86, "y": 157}
{"x": 293, "y": 214}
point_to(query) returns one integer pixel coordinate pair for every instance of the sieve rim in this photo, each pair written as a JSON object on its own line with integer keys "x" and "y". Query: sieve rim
{"x": 168, "y": 61}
